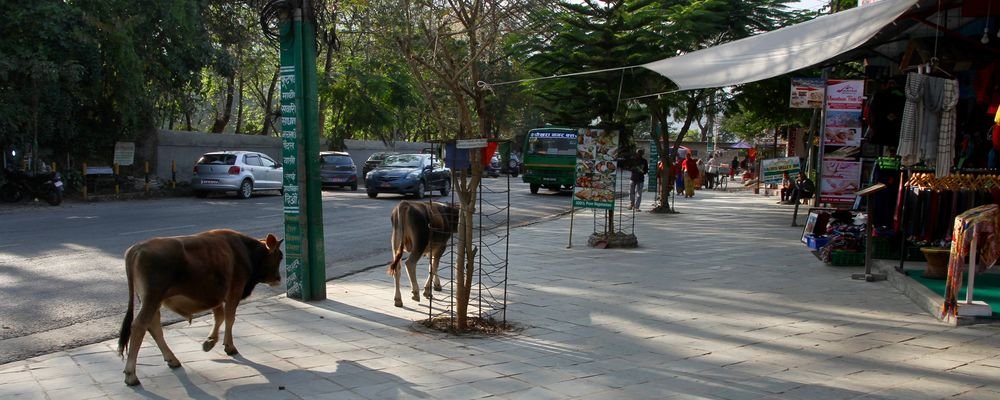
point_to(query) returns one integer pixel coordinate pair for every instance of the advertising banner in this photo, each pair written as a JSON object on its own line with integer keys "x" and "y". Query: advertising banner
{"x": 807, "y": 93}
{"x": 841, "y": 144}
{"x": 840, "y": 180}
{"x": 774, "y": 169}
{"x": 596, "y": 168}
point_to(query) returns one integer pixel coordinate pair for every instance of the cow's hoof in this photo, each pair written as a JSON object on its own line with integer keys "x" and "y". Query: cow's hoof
{"x": 173, "y": 364}
{"x": 428, "y": 295}
{"x": 437, "y": 288}
{"x": 232, "y": 351}
{"x": 416, "y": 297}
{"x": 131, "y": 380}
{"x": 208, "y": 344}
{"x": 398, "y": 303}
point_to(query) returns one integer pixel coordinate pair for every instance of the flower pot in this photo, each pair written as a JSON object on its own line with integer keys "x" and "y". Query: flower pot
{"x": 937, "y": 262}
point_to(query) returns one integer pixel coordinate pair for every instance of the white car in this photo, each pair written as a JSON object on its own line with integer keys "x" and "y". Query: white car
{"x": 243, "y": 172}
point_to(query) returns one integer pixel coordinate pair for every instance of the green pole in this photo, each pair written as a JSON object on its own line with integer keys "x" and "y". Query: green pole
{"x": 304, "y": 254}
{"x": 314, "y": 195}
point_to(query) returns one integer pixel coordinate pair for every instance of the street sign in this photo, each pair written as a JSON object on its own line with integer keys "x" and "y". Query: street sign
{"x": 470, "y": 143}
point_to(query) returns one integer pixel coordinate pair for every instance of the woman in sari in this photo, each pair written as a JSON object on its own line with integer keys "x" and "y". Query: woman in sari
{"x": 690, "y": 168}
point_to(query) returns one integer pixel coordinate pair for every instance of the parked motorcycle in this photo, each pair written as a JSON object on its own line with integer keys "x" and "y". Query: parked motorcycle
{"x": 47, "y": 186}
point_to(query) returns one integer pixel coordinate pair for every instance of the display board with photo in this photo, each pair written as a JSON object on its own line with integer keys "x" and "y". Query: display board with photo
{"x": 596, "y": 168}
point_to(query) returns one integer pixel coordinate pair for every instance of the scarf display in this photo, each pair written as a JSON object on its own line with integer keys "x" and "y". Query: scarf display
{"x": 981, "y": 224}
{"x": 927, "y": 130}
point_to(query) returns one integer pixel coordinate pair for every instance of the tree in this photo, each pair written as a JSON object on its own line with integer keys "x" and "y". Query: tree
{"x": 450, "y": 47}
{"x": 597, "y": 35}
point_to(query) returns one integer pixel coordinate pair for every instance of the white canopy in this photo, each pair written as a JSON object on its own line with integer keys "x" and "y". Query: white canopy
{"x": 781, "y": 51}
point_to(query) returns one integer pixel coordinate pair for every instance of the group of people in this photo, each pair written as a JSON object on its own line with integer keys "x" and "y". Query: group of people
{"x": 794, "y": 192}
{"x": 686, "y": 173}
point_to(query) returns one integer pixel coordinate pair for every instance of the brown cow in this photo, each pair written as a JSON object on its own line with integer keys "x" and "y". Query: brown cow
{"x": 420, "y": 228}
{"x": 211, "y": 270}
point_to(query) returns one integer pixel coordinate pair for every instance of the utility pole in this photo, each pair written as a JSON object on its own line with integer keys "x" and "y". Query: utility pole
{"x": 305, "y": 264}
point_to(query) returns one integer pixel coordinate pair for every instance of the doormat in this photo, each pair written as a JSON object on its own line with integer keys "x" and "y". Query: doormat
{"x": 987, "y": 288}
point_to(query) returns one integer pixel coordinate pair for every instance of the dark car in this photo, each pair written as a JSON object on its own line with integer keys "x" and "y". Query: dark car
{"x": 375, "y": 160}
{"x": 409, "y": 174}
{"x": 337, "y": 169}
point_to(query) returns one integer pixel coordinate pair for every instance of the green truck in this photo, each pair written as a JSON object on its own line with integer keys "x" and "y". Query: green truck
{"x": 549, "y": 158}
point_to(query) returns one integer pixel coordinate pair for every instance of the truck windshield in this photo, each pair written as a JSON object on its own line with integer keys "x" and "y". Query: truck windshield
{"x": 552, "y": 143}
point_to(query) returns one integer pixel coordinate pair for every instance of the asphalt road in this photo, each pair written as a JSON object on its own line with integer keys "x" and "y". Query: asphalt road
{"x": 62, "y": 278}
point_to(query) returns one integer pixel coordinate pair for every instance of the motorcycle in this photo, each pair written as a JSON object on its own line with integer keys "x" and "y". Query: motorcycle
{"x": 47, "y": 186}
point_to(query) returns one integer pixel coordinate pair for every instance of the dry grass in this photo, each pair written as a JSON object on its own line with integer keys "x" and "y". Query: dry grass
{"x": 477, "y": 326}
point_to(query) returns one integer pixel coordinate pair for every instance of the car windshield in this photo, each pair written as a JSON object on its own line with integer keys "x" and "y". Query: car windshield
{"x": 552, "y": 143}
{"x": 403, "y": 161}
{"x": 378, "y": 156}
{"x": 218, "y": 159}
{"x": 335, "y": 160}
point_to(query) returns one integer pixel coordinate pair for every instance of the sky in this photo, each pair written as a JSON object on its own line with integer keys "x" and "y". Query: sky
{"x": 810, "y": 4}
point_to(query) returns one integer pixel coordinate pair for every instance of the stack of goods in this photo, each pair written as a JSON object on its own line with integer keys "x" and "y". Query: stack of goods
{"x": 845, "y": 235}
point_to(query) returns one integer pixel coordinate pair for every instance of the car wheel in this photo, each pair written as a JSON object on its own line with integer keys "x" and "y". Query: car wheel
{"x": 446, "y": 188}
{"x": 373, "y": 194}
{"x": 354, "y": 187}
{"x": 534, "y": 188}
{"x": 201, "y": 194}
{"x": 420, "y": 190}
{"x": 513, "y": 172}
{"x": 246, "y": 189}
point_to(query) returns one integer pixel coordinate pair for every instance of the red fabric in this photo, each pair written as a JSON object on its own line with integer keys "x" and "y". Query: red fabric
{"x": 995, "y": 135}
{"x": 491, "y": 147}
{"x": 691, "y": 166}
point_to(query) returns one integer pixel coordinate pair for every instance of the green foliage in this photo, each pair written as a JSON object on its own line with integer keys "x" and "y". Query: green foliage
{"x": 366, "y": 97}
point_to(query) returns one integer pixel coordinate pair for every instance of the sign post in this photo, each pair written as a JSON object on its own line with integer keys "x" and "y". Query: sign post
{"x": 305, "y": 265}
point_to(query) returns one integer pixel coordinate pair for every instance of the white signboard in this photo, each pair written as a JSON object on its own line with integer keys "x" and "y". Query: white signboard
{"x": 124, "y": 153}
{"x": 470, "y": 143}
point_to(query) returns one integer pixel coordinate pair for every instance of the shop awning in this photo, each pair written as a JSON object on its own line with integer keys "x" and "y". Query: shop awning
{"x": 781, "y": 51}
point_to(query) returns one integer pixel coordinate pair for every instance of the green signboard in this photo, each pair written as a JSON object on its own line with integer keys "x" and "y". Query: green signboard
{"x": 305, "y": 267}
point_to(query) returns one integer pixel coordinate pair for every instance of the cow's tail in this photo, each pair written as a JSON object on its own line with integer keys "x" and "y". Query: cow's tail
{"x": 126, "y": 330}
{"x": 398, "y": 219}
{"x": 393, "y": 269}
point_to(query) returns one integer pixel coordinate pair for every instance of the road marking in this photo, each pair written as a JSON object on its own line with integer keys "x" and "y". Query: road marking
{"x": 9, "y": 245}
{"x": 156, "y": 230}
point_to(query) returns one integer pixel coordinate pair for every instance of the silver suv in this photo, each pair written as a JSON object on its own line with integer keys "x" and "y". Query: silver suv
{"x": 243, "y": 172}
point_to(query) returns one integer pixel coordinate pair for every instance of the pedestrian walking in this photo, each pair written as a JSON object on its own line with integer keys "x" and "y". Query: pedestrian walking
{"x": 733, "y": 166}
{"x": 640, "y": 167}
{"x": 690, "y": 168}
{"x": 678, "y": 174}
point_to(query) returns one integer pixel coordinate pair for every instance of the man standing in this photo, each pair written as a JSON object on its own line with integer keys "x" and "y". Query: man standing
{"x": 711, "y": 175}
{"x": 640, "y": 167}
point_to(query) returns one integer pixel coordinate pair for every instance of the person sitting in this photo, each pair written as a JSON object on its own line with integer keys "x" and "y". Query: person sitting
{"x": 804, "y": 189}
{"x": 786, "y": 188}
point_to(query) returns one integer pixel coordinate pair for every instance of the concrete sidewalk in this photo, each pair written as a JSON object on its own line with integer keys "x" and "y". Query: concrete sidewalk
{"x": 721, "y": 301}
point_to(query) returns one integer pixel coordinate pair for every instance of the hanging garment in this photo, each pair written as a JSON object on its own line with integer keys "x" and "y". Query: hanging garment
{"x": 930, "y": 123}
{"x": 986, "y": 220}
{"x": 946, "y": 137}
{"x": 909, "y": 127}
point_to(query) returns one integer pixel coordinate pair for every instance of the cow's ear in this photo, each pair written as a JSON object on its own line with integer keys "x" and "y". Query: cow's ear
{"x": 271, "y": 242}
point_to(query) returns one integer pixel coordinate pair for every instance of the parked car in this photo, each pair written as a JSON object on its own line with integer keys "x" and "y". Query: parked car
{"x": 337, "y": 169}
{"x": 243, "y": 172}
{"x": 374, "y": 160}
{"x": 409, "y": 174}
{"x": 496, "y": 166}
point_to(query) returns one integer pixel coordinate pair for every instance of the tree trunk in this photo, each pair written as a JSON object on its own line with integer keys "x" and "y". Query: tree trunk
{"x": 239, "y": 107}
{"x": 269, "y": 107}
{"x": 227, "y": 110}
